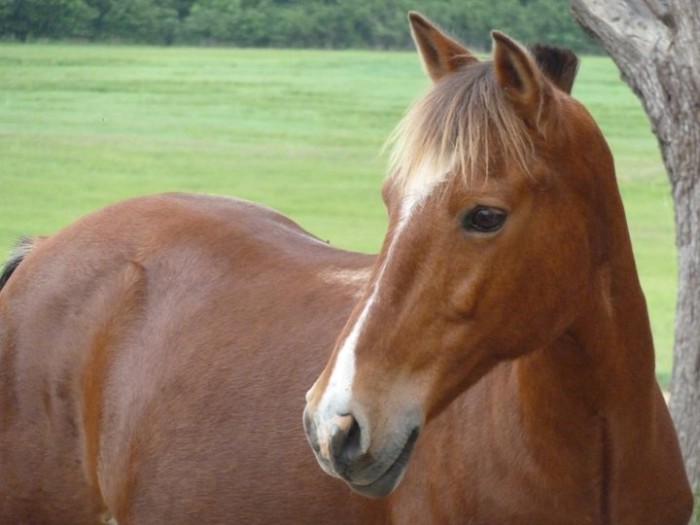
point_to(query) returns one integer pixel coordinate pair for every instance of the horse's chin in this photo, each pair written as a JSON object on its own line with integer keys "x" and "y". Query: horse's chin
{"x": 390, "y": 479}
{"x": 382, "y": 487}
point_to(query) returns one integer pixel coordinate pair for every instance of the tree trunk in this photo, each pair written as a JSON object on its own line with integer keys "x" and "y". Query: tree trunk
{"x": 656, "y": 45}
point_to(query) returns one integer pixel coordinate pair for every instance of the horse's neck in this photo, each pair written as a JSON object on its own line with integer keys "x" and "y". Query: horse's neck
{"x": 604, "y": 364}
{"x": 598, "y": 383}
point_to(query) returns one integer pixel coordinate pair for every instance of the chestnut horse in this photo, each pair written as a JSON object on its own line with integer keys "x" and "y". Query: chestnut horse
{"x": 503, "y": 332}
{"x": 154, "y": 355}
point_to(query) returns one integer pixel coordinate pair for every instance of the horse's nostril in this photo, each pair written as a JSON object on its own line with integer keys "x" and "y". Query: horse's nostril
{"x": 353, "y": 442}
{"x": 345, "y": 443}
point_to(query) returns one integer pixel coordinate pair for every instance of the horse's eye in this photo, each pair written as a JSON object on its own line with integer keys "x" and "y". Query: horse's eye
{"x": 484, "y": 219}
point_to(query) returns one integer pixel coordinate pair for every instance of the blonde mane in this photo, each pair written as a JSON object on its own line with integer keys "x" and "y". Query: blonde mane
{"x": 464, "y": 124}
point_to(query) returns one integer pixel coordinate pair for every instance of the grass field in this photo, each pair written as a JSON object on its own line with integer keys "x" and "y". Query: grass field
{"x": 298, "y": 130}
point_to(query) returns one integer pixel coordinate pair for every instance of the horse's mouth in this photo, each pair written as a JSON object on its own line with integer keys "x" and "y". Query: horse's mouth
{"x": 388, "y": 481}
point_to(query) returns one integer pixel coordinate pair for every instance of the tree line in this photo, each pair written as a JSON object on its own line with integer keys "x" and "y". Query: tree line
{"x": 377, "y": 24}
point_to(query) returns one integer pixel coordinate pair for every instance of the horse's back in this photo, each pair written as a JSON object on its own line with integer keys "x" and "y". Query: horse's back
{"x": 155, "y": 356}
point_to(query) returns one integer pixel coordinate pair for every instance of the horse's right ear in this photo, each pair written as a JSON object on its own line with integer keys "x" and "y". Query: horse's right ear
{"x": 441, "y": 55}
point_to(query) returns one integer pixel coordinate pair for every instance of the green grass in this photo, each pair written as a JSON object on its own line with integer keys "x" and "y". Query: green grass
{"x": 298, "y": 130}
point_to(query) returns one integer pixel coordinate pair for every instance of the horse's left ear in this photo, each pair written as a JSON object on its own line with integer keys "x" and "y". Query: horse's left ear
{"x": 519, "y": 76}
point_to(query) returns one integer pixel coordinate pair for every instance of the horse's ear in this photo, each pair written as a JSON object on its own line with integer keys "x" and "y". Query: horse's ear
{"x": 560, "y": 65}
{"x": 519, "y": 76}
{"x": 441, "y": 55}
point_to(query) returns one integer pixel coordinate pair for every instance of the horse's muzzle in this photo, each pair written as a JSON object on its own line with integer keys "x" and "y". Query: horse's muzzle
{"x": 341, "y": 447}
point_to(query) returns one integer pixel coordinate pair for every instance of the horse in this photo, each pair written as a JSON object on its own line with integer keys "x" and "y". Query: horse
{"x": 502, "y": 339}
{"x": 492, "y": 364}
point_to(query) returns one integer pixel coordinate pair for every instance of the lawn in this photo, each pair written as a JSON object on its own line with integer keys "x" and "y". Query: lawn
{"x": 302, "y": 131}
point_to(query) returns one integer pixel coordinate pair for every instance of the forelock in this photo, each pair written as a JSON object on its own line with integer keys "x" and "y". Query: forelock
{"x": 461, "y": 127}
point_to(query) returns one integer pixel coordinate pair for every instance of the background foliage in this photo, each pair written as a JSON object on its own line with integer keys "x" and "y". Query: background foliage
{"x": 379, "y": 24}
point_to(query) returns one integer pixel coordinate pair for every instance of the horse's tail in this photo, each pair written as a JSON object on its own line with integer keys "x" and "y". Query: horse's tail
{"x": 17, "y": 255}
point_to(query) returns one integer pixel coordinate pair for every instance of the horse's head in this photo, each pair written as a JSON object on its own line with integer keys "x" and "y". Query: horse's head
{"x": 492, "y": 243}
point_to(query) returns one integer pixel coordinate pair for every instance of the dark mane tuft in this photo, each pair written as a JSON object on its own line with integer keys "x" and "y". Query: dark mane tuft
{"x": 19, "y": 252}
{"x": 560, "y": 65}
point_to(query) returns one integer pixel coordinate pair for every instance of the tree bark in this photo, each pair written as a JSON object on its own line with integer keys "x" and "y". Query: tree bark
{"x": 656, "y": 45}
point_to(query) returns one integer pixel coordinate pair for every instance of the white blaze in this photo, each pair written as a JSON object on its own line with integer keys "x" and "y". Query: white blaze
{"x": 336, "y": 398}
